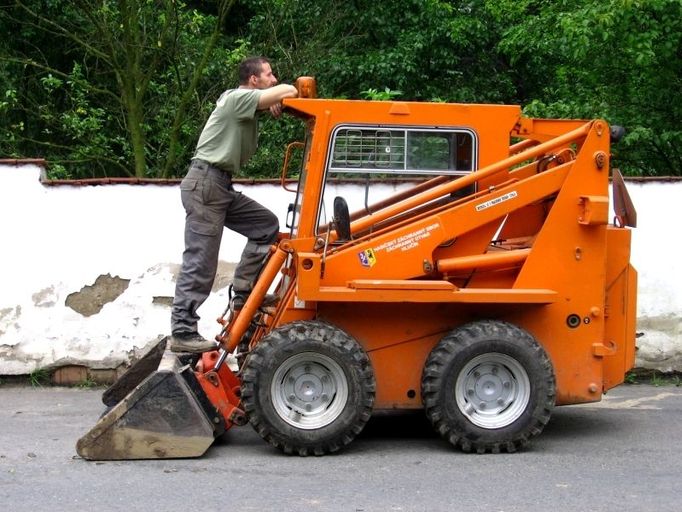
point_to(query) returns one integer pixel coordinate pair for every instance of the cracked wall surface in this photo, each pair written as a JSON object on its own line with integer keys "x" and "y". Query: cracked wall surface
{"x": 9, "y": 317}
{"x": 103, "y": 290}
{"x": 114, "y": 265}
{"x": 90, "y": 299}
{"x": 44, "y": 298}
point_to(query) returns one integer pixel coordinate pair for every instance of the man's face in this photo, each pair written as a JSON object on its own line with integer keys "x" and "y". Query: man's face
{"x": 265, "y": 79}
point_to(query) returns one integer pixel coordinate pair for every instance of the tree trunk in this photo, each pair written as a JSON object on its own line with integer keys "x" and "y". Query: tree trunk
{"x": 132, "y": 104}
{"x": 137, "y": 140}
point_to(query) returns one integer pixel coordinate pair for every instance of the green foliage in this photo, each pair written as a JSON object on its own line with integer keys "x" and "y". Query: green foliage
{"x": 39, "y": 377}
{"x": 105, "y": 88}
{"x": 615, "y": 59}
{"x": 657, "y": 379}
{"x": 653, "y": 377}
{"x": 385, "y": 95}
{"x": 87, "y": 383}
{"x": 123, "y": 88}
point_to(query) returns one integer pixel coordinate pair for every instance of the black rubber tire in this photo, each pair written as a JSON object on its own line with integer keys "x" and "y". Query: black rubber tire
{"x": 452, "y": 354}
{"x": 272, "y": 352}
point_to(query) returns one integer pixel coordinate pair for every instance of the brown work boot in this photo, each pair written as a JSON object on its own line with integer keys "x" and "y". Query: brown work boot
{"x": 240, "y": 298}
{"x": 191, "y": 342}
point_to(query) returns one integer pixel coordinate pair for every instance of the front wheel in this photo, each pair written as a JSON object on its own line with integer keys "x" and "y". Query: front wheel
{"x": 488, "y": 386}
{"x": 308, "y": 388}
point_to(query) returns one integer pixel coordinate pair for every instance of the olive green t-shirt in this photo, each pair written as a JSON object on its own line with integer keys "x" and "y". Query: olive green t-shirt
{"x": 230, "y": 136}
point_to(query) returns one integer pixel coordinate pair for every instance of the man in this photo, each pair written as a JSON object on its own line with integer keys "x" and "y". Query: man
{"x": 227, "y": 142}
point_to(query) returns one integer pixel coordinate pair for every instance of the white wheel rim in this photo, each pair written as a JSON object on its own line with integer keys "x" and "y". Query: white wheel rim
{"x": 309, "y": 390}
{"x": 492, "y": 390}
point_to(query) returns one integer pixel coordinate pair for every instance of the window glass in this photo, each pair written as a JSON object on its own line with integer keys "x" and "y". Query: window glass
{"x": 403, "y": 156}
{"x": 405, "y": 151}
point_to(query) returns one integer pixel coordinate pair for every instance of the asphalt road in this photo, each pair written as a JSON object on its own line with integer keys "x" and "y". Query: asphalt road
{"x": 624, "y": 453}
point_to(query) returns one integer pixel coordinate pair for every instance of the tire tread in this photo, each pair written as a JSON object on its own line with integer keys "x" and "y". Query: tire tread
{"x": 284, "y": 340}
{"x": 435, "y": 371}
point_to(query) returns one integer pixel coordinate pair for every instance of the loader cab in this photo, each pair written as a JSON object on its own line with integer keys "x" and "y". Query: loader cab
{"x": 389, "y": 148}
{"x": 388, "y": 159}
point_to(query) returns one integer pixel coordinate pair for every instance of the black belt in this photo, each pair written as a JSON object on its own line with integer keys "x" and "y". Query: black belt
{"x": 204, "y": 165}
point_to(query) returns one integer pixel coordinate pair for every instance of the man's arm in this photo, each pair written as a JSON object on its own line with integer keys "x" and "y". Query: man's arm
{"x": 274, "y": 95}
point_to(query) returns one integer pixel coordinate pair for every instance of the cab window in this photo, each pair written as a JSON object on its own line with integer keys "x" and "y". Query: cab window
{"x": 384, "y": 159}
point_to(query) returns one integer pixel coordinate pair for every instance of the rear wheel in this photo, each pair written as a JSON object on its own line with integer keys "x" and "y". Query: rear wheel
{"x": 308, "y": 388}
{"x": 488, "y": 386}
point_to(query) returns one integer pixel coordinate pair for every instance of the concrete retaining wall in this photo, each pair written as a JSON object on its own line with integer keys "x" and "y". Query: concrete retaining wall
{"x": 87, "y": 272}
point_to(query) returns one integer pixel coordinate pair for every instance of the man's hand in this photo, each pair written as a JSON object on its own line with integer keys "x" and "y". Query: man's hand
{"x": 276, "y": 110}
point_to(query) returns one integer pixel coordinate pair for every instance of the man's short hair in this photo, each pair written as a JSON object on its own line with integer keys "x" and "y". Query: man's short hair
{"x": 251, "y": 66}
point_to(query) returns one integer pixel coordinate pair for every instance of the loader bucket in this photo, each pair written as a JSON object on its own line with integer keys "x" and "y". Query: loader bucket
{"x": 135, "y": 374}
{"x": 166, "y": 416}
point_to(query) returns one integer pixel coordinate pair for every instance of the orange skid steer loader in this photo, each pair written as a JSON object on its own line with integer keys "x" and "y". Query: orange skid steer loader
{"x": 478, "y": 279}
